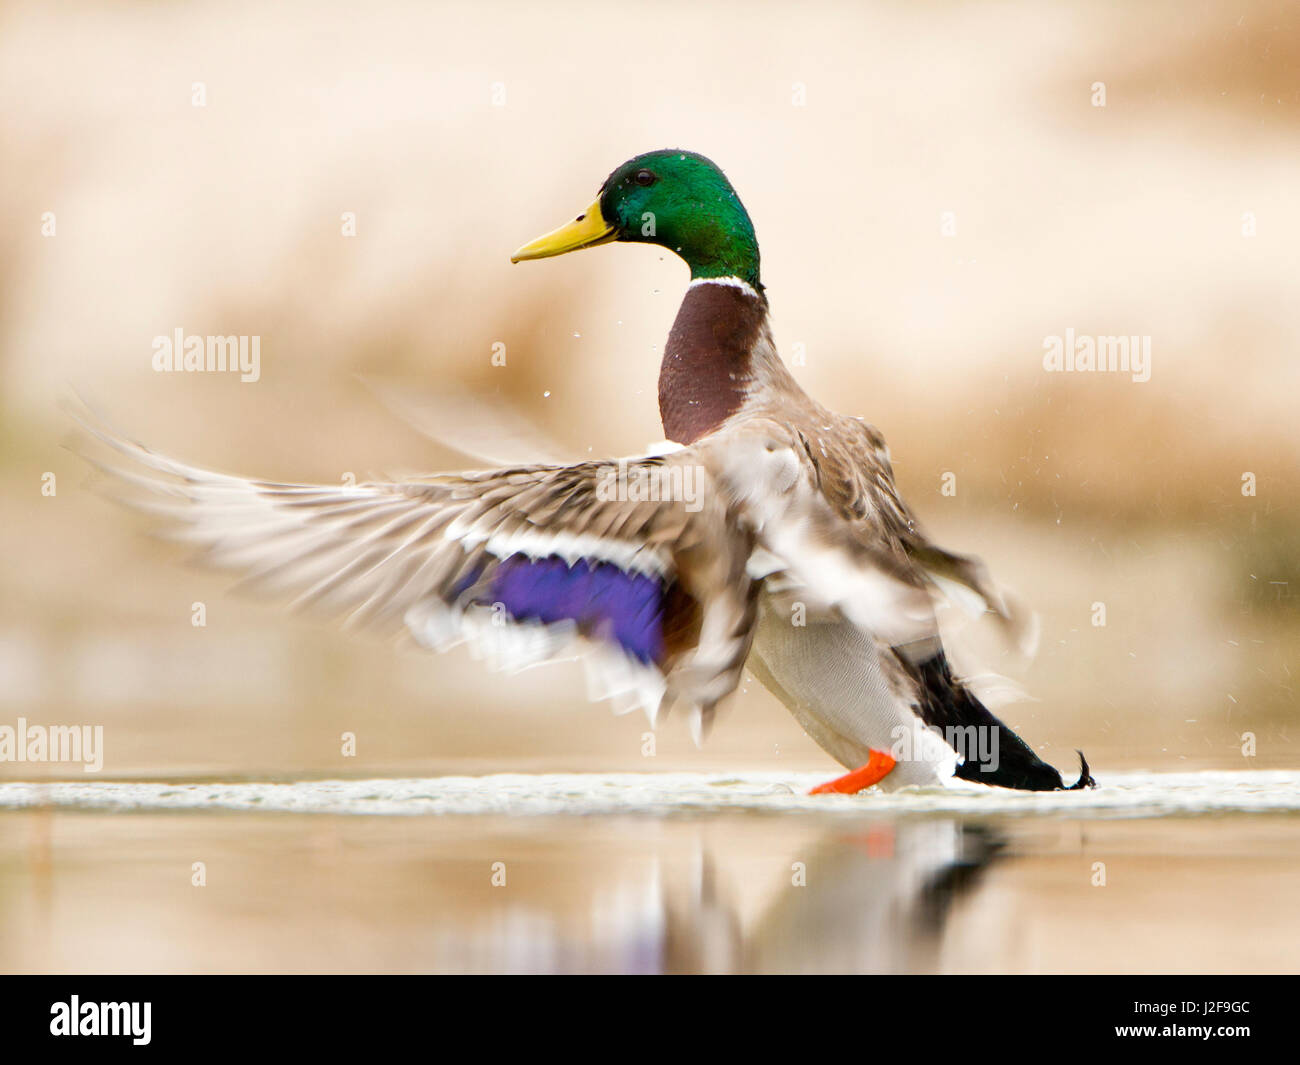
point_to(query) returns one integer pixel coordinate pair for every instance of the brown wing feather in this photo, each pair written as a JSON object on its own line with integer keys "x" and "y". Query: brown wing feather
{"x": 381, "y": 550}
{"x": 853, "y": 470}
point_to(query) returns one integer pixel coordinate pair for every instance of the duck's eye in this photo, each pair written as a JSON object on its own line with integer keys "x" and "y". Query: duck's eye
{"x": 644, "y": 177}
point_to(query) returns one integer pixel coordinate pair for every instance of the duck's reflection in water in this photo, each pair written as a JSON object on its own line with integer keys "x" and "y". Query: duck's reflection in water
{"x": 877, "y": 900}
{"x": 872, "y": 898}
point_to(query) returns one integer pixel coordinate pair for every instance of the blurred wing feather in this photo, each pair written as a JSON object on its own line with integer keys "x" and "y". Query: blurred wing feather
{"x": 518, "y": 561}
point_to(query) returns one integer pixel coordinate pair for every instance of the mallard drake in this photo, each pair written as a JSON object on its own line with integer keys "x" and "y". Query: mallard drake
{"x": 845, "y": 632}
{"x": 769, "y": 533}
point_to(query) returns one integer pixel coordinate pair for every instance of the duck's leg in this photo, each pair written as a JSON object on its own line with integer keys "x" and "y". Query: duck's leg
{"x": 877, "y": 768}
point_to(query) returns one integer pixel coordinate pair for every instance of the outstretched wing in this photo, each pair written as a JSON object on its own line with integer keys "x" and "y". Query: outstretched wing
{"x": 858, "y": 479}
{"x": 523, "y": 563}
{"x": 830, "y": 515}
{"x": 807, "y": 550}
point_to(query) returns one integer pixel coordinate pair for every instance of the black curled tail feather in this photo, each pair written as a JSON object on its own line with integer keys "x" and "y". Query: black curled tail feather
{"x": 944, "y": 703}
{"x": 1085, "y": 777}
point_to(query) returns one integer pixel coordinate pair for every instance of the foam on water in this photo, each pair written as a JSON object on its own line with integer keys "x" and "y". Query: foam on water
{"x": 1135, "y": 794}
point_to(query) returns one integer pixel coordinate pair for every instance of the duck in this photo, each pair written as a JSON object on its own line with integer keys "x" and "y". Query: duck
{"x": 765, "y": 534}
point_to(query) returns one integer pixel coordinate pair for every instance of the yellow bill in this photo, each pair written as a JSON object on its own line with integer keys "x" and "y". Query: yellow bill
{"x": 585, "y": 231}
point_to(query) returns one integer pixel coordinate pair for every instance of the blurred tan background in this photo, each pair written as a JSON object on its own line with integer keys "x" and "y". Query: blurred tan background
{"x": 455, "y": 132}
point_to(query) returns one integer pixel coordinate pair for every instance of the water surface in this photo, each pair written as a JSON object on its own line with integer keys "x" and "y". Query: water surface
{"x": 649, "y": 873}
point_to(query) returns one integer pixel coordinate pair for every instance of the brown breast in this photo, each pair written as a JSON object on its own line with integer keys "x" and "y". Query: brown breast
{"x": 707, "y": 360}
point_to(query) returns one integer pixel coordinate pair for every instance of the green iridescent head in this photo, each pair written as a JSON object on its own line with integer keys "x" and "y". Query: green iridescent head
{"x": 678, "y": 200}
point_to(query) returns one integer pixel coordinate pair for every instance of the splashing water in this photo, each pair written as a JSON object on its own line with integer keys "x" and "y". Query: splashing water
{"x": 1120, "y": 795}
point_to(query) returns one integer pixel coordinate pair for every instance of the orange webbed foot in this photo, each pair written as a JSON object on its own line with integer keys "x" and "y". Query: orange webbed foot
{"x": 877, "y": 768}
